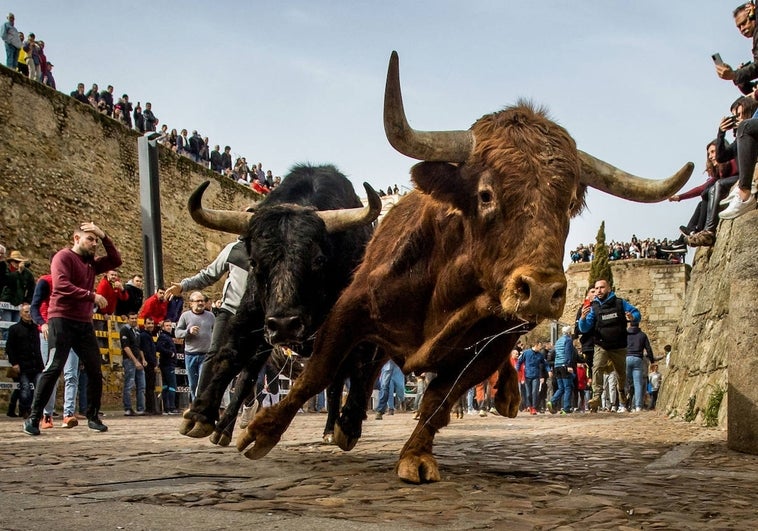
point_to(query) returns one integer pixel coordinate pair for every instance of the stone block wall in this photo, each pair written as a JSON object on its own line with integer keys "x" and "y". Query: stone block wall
{"x": 63, "y": 163}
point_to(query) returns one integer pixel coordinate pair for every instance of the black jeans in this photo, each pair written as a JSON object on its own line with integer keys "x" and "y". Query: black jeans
{"x": 65, "y": 334}
{"x": 747, "y": 151}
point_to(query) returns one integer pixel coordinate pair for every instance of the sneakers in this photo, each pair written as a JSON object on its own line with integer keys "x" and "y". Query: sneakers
{"x": 622, "y": 409}
{"x": 379, "y": 415}
{"x": 248, "y": 412}
{"x": 675, "y": 247}
{"x": 738, "y": 207}
{"x": 482, "y": 412}
{"x": 550, "y": 407}
{"x": 638, "y": 410}
{"x": 47, "y": 422}
{"x": 140, "y": 413}
{"x": 31, "y": 426}
{"x": 685, "y": 230}
{"x": 174, "y": 412}
{"x": 95, "y": 424}
{"x": 564, "y": 412}
{"x": 391, "y": 412}
{"x": 704, "y": 238}
{"x": 69, "y": 422}
{"x": 129, "y": 413}
{"x": 532, "y": 411}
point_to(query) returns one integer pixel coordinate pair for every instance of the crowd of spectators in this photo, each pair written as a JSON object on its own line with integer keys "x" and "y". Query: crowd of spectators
{"x": 651, "y": 248}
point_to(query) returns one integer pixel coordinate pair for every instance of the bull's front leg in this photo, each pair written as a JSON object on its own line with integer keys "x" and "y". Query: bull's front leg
{"x": 217, "y": 372}
{"x": 507, "y": 396}
{"x": 245, "y": 386}
{"x": 417, "y": 463}
{"x": 330, "y": 350}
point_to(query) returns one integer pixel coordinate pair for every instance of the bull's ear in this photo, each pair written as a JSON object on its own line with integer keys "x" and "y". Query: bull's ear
{"x": 442, "y": 181}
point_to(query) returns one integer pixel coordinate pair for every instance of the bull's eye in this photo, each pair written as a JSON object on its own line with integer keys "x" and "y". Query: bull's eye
{"x": 253, "y": 263}
{"x": 485, "y": 196}
{"x": 572, "y": 205}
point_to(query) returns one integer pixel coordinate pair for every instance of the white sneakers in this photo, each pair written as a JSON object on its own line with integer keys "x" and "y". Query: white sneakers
{"x": 738, "y": 207}
{"x": 248, "y": 412}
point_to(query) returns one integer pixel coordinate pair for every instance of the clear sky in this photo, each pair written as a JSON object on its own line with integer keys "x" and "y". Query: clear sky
{"x": 295, "y": 81}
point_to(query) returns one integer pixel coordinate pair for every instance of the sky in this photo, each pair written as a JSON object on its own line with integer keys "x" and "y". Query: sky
{"x": 303, "y": 81}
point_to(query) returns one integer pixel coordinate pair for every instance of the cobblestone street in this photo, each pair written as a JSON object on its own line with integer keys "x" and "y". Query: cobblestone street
{"x": 600, "y": 471}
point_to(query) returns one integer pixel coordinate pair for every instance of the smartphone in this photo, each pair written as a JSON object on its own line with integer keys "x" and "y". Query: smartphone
{"x": 717, "y": 59}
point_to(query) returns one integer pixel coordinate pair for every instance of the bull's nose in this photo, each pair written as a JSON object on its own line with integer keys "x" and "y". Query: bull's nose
{"x": 285, "y": 328}
{"x": 540, "y": 298}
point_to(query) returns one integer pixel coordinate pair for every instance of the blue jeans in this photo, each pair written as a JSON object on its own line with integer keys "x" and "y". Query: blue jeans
{"x": 133, "y": 376}
{"x": 532, "y": 392}
{"x": 11, "y": 56}
{"x": 50, "y": 406}
{"x": 635, "y": 372}
{"x": 565, "y": 389}
{"x": 71, "y": 378}
{"x": 391, "y": 384}
{"x": 192, "y": 363}
{"x": 470, "y": 399}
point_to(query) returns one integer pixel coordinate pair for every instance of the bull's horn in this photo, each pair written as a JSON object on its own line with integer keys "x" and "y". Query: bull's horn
{"x": 223, "y": 220}
{"x": 611, "y": 180}
{"x": 348, "y": 218}
{"x": 444, "y": 146}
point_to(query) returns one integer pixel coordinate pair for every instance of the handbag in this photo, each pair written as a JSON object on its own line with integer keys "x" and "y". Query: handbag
{"x": 12, "y": 372}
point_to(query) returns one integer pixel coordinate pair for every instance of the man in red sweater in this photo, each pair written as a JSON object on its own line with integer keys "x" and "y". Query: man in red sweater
{"x": 155, "y": 306}
{"x": 111, "y": 288}
{"x": 72, "y": 302}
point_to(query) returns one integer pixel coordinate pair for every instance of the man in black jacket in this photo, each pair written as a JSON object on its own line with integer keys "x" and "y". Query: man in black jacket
{"x": 22, "y": 349}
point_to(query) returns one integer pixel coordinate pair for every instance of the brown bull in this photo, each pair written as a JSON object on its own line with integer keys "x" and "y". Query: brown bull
{"x": 460, "y": 267}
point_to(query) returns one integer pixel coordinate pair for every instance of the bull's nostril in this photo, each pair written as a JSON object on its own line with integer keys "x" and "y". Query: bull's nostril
{"x": 559, "y": 295}
{"x": 523, "y": 291}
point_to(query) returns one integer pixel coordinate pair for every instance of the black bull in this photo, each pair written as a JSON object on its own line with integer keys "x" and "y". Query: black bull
{"x": 304, "y": 241}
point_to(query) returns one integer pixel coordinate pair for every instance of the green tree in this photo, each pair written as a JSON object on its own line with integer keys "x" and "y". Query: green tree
{"x": 601, "y": 267}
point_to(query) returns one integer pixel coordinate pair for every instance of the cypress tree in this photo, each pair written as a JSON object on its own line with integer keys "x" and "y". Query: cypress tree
{"x": 601, "y": 267}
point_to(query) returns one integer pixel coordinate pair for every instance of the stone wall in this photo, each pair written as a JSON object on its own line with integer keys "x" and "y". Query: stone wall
{"x": 656, "y": 287}
{"x": 63, "y": 163}
{"x": 718, "y": 330}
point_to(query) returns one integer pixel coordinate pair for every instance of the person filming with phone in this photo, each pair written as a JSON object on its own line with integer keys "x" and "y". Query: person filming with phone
{"x": 743, "y": 200}
{"x": 744, "y": 19}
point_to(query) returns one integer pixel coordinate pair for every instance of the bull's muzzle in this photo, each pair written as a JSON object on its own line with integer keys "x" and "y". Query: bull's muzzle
{"x": 282, "y": 330}
{"x": 535, "y": 296}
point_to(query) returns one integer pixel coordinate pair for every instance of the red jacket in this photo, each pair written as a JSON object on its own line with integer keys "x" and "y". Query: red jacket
{"x": 154, "y": 308}
{"x": 111, "y": 294}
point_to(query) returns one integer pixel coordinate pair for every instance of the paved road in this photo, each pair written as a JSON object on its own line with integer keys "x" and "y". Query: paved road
{"x": 600, "y": 471}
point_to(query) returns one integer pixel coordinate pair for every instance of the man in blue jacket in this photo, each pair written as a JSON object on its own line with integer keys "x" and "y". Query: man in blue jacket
{"x": 534, "y": 363}
{"x": 563, "y": 368}
{"x": 607, "y": 317}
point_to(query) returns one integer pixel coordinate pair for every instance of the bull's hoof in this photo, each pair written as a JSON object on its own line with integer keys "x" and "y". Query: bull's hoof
{"x": 220, "y": 438}
{"x": 418, "y": 468}
{"x": 261, "y": 443}
{"x": 328, "y": 438}
{"x": 508, "y": 406}
{"x": 195, "y": 425}
{"x": 342, "y": 440}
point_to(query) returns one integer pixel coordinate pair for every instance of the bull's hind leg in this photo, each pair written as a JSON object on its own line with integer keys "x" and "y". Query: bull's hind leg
{"x": 364, "y": 364}
{"x": 331, "y": 347}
